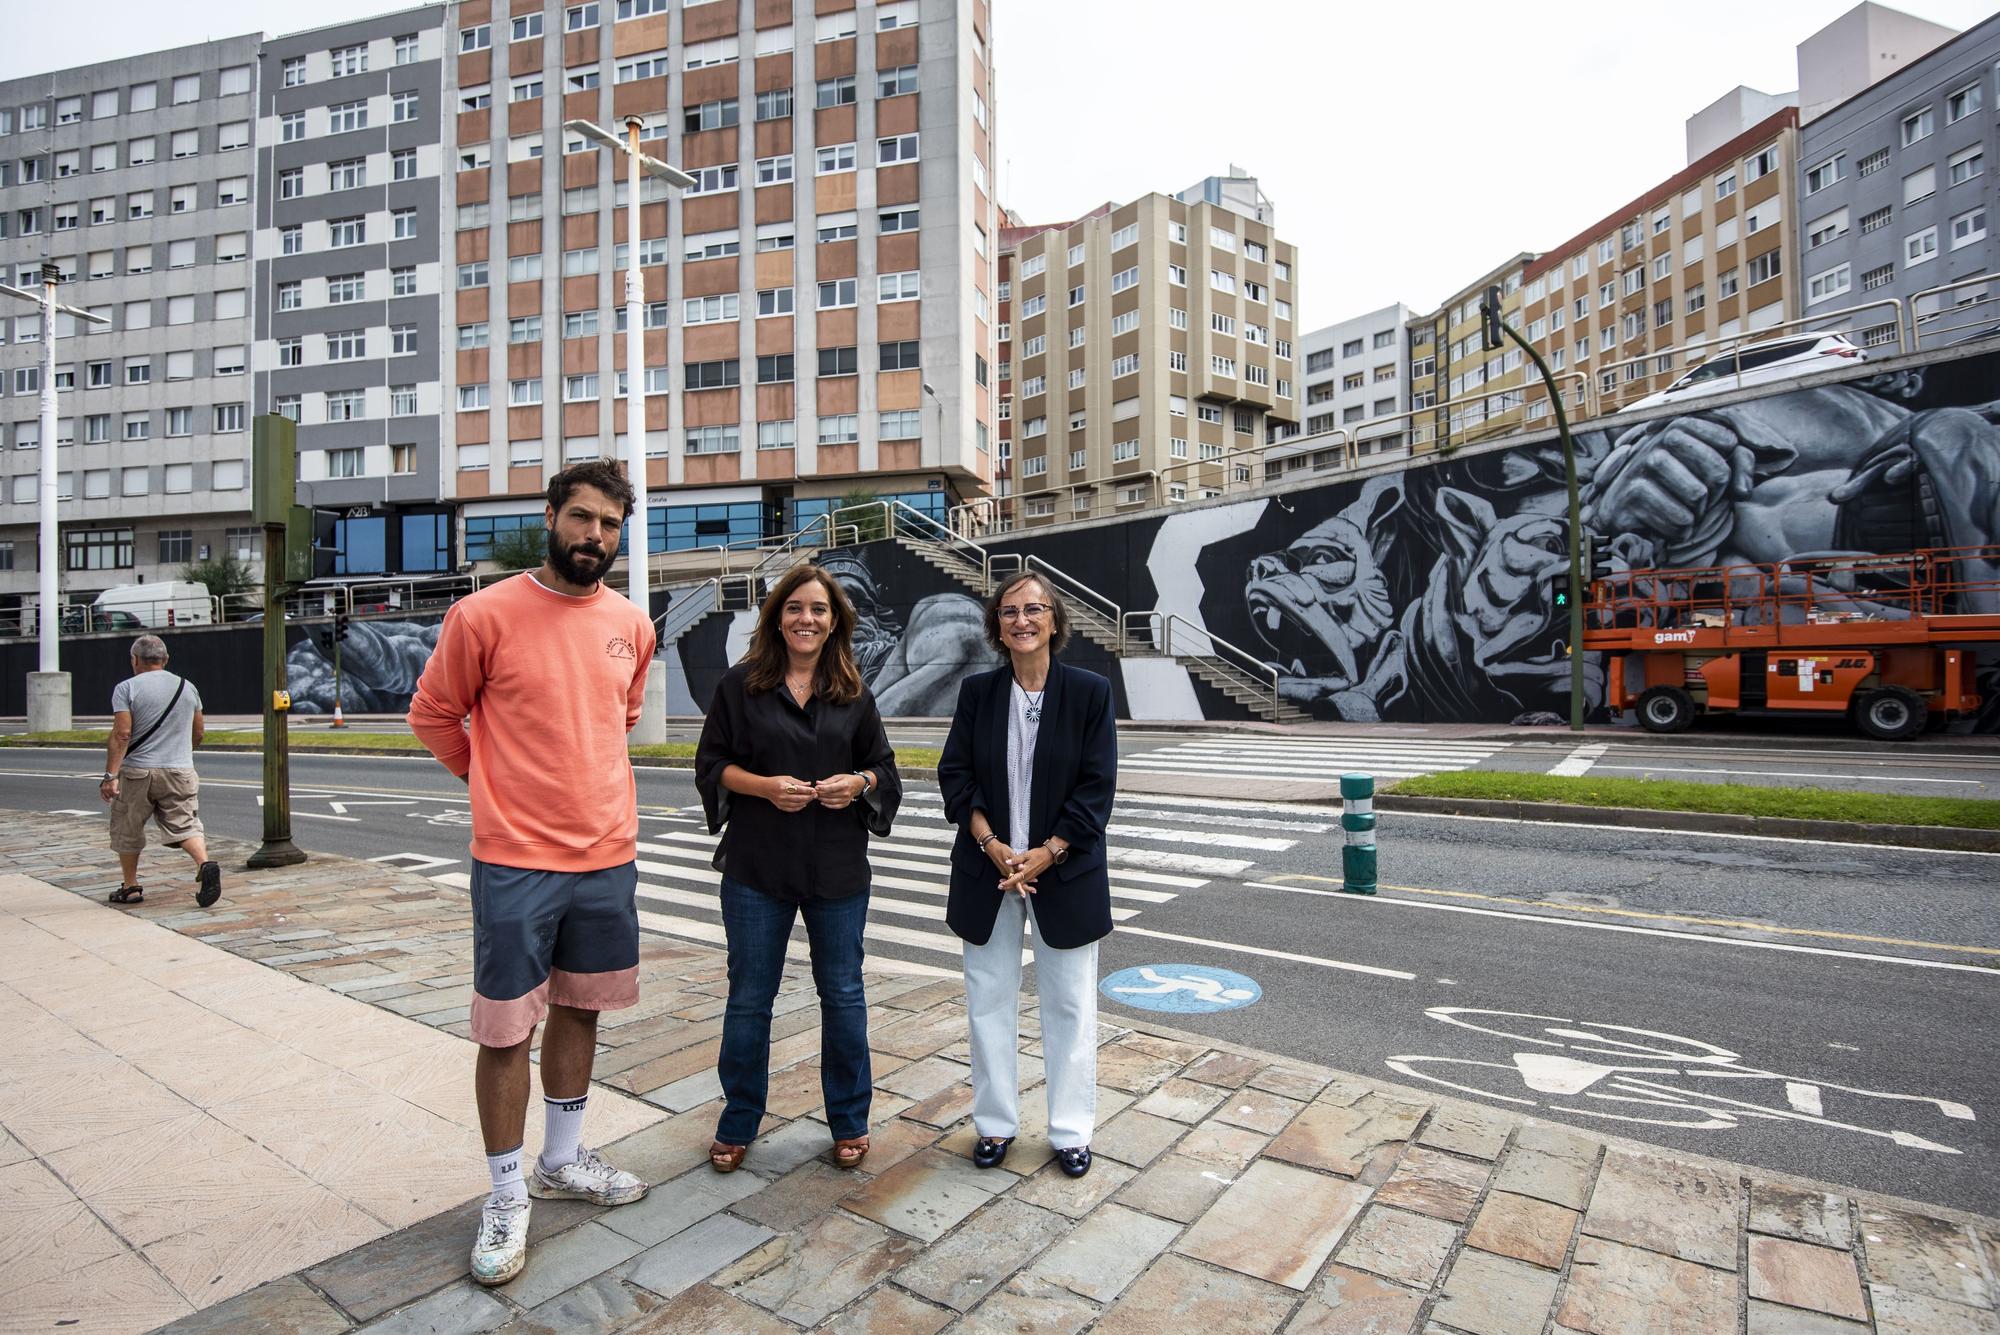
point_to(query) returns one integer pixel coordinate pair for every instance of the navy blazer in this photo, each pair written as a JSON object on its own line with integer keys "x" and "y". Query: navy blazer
{"x": 1075, "y": 778}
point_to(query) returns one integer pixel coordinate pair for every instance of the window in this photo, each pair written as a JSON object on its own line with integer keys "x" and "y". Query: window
{"x": 836, "y": 227}
{"x": 1831, "y": 283}
{"x": 343, "y": 117}
{"x": 1873, "y": 163}
{"x": 774, "y": 171}
{"x": 472, "y": 275}
{"x": 402, "y": 340}
{"x": 229, "y": 304}
{"x": 836, "y": 92}
{"x": 1725, "y": 186}
{"x": 1962, "y": 103}
{"x": 839, "y": 361}
{"x": 291, "y": 296}
{"x": 473, "y": 396}
{"x": 579, "y": 388}
{"x": 477, "y": 38}
{"x": 291, "y": 126}
{"x": 711, "y": 116}
{"x": 1828, "y": 228}
{"x": 1878, "y": 277}
{"x": 347, "y": 462}
{"x": 1968, "y": 227}
{"x": 1762, "y": 165}
{"x": 774, "y": 105}
{"x": 292, "y": 73}
{"x": 138, "y": 426}
{"x": 840, "y": 429}
{"x": 227, "y": 418}
{"x": 347, "y": 345}
{"x": 348, "y": 174}
{"x": 1920, "y": 246}
{"x": 713, "y": 440}
{"x": 524, "y": 393}
{"x": 1920, "y": 185}
{"x": 775, "y": 368}
{"x": 186, "y": 88}
{"x": 1918, "y": 125}
{"x": 777, "y": 435}
{"x": 905, "y": 286}
{"x": 475, "y": 97}
{"x": 291, "y": 352}
{"x": 521, "y": 208}
{"x": 526, "y": 26}
{"x": 714, "y": 180}
{"x": 344, "y": 288}
{"x": 1825, "y": 174}
{"x": 525, "y": 90}
{"x": 342, "y": 232}
{"x": 894, "y": 82}
{"x": 896, "y": 148}
{"x": 1966, "y": 164}
{"x": 292, "y": 183}
{"x": 524, "y": 268}
{"x": 714, "y": 375}
{"x": 580, "y": 324}
{"x": 403, "y": 164}
{"x": 835, "y": 158}
{"x": 578, "y": 17}
{"x": 901, "y": 356}
{"x": 406, "y": 49}
{"x": 1126, "y": 365}
{"x": 181, "y": 199}
{"x": 1222, "y": 281}
{"x": 349, "y": 59}
{"x": 576, "y": 263}
{"x": 1076, "y": 296}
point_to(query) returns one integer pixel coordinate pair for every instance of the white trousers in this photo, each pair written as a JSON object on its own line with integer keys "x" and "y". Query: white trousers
{"x": 1066, "y": 987}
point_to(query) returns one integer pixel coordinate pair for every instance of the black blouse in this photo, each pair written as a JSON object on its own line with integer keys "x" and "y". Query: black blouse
{"x": 814, "y": 853}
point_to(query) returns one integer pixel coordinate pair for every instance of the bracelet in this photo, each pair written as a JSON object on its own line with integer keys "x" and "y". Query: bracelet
{"x": 990, "y": 837}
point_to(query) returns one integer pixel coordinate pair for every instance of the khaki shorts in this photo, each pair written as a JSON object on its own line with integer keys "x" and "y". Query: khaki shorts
{"x": 168, "y": 795}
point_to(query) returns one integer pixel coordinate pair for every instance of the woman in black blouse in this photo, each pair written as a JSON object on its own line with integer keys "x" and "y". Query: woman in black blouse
{"x": 795, "y": 771}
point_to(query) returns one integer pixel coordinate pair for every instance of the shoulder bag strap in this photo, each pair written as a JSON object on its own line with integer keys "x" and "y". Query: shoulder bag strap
{"x": 165, "y": 714}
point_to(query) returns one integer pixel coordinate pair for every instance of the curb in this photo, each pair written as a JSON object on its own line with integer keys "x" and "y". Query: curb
{"x": 1950, "y": 838}
{"x": 1972, "y": 745}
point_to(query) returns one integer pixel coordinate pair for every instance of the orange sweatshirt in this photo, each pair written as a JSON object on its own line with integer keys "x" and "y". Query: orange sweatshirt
{"x": 552, "y": 684}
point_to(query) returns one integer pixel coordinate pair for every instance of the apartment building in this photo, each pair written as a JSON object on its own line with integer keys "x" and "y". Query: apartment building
{"x": 350, "y": 279}
{"x": 819, "y": 308}
{"x": 1356, "y": 372}
{"x": 1144, "y": 347}
{"x": 1705, "y": 257}
{"x": 1895, "y": 193}
{"x": 1459, "y": 391}
{"x": 134, "y": 178}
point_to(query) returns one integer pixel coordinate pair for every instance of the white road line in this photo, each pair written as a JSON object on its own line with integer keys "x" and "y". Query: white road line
{"x": 1626, "y": 928}
{"x": 1119, "y": 857}
{"x": 461, "y": 879}
{"x": 1152, "y": 807}
{"x": 667, "y": 924}
{"x": 1695, "y": 834}
{"x": 1415, "y": 746}
{"x": 709, "y": 876}
{"x": 713, "y": 933}
{"x": 1779, "y": 774}
{"x": 1329, "y": 774}
{"x": 1256, "y": 843}
{"x": 1271, "y": 954}
{"x": 1579, "y": 761}
{"x": 415, "y": 861}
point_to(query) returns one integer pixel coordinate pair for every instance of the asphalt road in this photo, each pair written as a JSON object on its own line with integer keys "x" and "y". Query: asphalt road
{"x": 1820, "y": 1009}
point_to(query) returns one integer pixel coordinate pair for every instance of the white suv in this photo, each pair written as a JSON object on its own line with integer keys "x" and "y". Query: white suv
{"x": 1757, "y": 364}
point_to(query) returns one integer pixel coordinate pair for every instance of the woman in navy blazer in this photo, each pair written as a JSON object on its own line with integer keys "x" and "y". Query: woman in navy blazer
{"x": 1028, "y": 772}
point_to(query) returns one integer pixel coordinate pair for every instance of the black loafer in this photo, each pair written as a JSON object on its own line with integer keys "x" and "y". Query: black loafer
{"x": 989, "y": 1151}
{"x": 1075, "y": 1161}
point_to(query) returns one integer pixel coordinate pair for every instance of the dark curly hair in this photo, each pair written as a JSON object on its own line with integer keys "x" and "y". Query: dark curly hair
{"x": 603, "y": 474}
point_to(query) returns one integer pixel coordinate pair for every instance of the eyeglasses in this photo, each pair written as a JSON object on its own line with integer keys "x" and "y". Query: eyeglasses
{"x": 1027, "y": 612}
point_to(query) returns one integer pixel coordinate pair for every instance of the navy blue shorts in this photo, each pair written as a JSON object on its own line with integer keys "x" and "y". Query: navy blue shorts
{"x": 571, "y": 938}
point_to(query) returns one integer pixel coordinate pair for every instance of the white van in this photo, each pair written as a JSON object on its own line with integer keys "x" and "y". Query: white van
{"x": 170, "y": 602}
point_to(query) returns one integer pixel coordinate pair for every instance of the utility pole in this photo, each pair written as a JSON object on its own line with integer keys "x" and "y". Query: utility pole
{"x": 274, "y": 462}
{"x": 48, "y": 687}
{"x": 1492, "y": 333}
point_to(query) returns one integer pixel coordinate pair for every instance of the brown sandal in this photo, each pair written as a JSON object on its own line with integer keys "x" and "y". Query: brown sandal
{"x": 128, "y": 894}
{"x": 850, "y": 1153}
{"x": 726, "y": 1158}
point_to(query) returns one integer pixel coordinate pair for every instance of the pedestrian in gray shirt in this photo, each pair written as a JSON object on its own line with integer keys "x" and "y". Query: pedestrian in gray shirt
{"x": 150, "y": 775}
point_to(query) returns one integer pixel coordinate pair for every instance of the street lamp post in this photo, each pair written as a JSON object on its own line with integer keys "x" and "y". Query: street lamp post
{"x": 652, "y": 719}
{"x": 48, "y": 688}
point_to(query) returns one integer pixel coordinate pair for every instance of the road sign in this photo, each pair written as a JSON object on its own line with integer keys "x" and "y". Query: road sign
{"x": 1184, "y": 989}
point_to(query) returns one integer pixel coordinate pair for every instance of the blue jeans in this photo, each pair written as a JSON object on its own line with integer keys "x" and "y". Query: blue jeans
{"x": 759, "y": 927}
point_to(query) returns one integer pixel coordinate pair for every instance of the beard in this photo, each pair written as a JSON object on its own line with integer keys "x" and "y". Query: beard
{"x": 563, "y": 560}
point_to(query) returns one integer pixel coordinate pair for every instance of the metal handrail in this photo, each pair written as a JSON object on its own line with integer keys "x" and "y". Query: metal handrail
{"x": 1147, "y": 475}
{"x": 926, "y": 529}
{"x": 683, "y": 612}
{"x": 1918, "y": 320}
{"x": 1160, "y": 625}
{"x": 1339, "y": 432}
{"x": 1738, "y": 343}
{"x": 1070, "y": 584}
{"x": 962, "y": 518}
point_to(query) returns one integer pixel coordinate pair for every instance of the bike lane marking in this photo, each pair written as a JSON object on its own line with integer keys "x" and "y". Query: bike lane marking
{"x": 1631, "y": 930}
{"x": 1645, "y": 914}
{"x": 1125, "y": 929}
{"x": 1181, "y": 989}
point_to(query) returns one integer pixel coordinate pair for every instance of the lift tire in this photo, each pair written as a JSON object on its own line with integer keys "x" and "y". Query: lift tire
{"x": 1891, "y": 713}
{"x": 1665, "y": 709}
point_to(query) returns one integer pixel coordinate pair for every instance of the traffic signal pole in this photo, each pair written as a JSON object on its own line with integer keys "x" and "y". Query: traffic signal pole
{"x": 1490, "y": 335}
{"x": 274, "y": 460}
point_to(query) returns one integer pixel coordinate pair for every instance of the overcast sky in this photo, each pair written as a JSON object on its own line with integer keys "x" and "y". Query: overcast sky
{"x": 1407, "y": 147}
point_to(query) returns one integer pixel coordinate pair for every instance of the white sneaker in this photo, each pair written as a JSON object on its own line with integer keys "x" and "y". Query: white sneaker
{"x": 501, "y": 1248}
{"x": 588, "y": 1179}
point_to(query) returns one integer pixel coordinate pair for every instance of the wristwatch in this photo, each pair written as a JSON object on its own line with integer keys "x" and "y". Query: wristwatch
{"x": 1060, "y": 855}
{"x": 108, "y": 777}
{"x": 867, "y": 778}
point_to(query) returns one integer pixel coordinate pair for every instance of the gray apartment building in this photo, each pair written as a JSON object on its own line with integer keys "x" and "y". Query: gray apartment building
{"x": 1354, "y": 374}
{"x": 134, "y": 178}
{"x": 1895, "y": 189}
{"x": 350, "y": 275}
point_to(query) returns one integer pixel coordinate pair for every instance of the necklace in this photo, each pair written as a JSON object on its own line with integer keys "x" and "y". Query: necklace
{"x": 800, "y": 687}
{"x": 1034, "y": 703}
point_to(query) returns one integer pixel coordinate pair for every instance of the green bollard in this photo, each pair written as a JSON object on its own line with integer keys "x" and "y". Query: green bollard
{"x": 1357, "y": 820}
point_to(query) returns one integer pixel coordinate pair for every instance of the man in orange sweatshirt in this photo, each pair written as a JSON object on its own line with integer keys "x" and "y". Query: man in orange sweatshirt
{"x": 550, "y": 668}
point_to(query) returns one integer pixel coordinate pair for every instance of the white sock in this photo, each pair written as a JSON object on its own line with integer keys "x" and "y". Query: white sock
{"x": 506, "y": 1170}
{"x": 562, "y": 1138}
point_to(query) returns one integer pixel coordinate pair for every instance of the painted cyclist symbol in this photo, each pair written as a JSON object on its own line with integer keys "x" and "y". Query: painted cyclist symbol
{"x": 1189, "y": 989}
{"x": 1624, "y": 1074}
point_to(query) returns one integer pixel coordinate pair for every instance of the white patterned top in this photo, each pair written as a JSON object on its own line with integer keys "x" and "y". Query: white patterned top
{"x": 1021, "y": 733}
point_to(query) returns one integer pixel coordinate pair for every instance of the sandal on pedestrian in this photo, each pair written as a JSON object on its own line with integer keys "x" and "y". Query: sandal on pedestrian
{"x": 850, "y": 1153}
{"x": 726, "y": 1158}
{"x": 209, "y": 881}
{"x": 128, "y": 894}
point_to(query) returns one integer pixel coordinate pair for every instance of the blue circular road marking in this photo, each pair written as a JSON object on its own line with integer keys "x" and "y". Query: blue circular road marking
{"x": 1186, "y": 989}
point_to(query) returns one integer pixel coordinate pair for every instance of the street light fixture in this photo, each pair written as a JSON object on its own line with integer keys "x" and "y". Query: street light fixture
{"x": 48, "y": 693}
{"x": 652, "y": 721}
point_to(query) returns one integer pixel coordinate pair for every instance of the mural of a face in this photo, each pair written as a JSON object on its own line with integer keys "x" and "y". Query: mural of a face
{"x": 1325, "y": 595}
{"x": 913, "y": 671}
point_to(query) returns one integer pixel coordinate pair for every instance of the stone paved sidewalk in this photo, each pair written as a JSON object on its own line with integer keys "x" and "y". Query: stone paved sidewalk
{"x": 1233, "y": 1191}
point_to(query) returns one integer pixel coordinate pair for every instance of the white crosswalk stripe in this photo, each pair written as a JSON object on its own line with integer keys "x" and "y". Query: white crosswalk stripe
{"x": 1152, "y": 861}
{"x": 1312, "y": 759}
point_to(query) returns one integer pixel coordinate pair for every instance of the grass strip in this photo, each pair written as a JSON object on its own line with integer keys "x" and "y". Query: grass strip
{"x": 1740, "y": 799}
{"x": 912, "y": 759}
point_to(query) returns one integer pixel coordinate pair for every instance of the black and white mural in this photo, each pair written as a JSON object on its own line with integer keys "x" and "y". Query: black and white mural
{"x": 380, "y": 663}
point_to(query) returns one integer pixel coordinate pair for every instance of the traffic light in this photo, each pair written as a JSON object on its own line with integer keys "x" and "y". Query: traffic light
{"x": 339, "y": 626}
{"x": 1600, "y": 560}
{"x": 1490, "y": 337}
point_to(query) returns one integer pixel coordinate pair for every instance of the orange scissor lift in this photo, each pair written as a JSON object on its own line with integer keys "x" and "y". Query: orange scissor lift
{"x": 1890, "y": 641}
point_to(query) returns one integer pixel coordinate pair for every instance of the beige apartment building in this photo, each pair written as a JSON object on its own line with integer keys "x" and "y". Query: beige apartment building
{"x": 1142, "y": 348}
{"x": 1706, "y": 255}
{"x": 1459, "y": 391}
{"x": 819, "y": 306}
